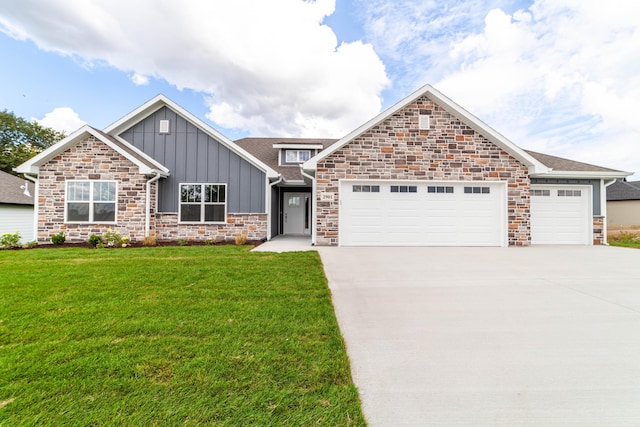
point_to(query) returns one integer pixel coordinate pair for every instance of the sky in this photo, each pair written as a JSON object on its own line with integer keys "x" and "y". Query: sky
{"x": 560, "y": 77}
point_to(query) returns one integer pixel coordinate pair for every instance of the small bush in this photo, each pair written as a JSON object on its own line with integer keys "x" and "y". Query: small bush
{"x": 210, "y": 242}
{"x": 241, "y": 239}
{"x": 30, "y": 245}
{"x": 94, "y": 240}
{"x": 183, "y": 242}
{"x": 10, "y": 240}
{"x": 58, "y": 239}
{"x": 114, "y": 239}
{"x": 150, "y": 240}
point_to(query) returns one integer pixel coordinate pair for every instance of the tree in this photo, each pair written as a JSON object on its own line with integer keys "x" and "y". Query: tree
{"x": 21, "y": 139}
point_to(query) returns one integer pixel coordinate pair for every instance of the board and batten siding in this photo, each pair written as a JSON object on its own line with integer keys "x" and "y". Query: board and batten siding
{"x": 191, "y": 155}
{"x": 17, "y": 218}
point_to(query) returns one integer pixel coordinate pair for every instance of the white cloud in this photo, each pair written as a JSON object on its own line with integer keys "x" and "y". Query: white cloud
{"x": 62, "y": 119}
{"x": 559, "y": 76}
{"x": 139, "y": 79}
{"x": 270, "y": 68}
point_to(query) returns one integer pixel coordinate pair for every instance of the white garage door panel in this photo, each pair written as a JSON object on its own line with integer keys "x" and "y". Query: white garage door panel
{"x": 421, "y": 218}
{"x": 561, "y": 219}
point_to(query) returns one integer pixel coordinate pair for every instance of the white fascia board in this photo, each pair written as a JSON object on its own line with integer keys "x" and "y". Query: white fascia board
{"x": 582, "y": 175}
{"x": 453, "y": 108}
{"x": 160, "y": 101}
{"x": 299, "y": 146}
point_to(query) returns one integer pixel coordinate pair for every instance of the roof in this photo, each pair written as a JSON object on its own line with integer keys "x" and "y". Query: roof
{"x": 160, "y": 101}
{"x": 623, "y": 190}
{"x": 13, "y": 189}
{"x": 263, "y": 149}
{"x": 456, "y": 110}
{"x": 566, "y": 166}
{"x": 146, "y": 164}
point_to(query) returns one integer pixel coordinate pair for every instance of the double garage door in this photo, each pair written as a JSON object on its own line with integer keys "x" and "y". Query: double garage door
{"x": 410, "y": 213}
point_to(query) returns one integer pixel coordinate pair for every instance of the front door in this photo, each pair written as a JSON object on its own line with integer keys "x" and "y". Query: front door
{"x": 296, "y": 213}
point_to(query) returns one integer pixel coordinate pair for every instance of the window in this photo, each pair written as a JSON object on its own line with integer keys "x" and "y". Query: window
{"x": 404, "y": 189}
{"x": 477, "y": 190}
{"x": 297, "y": 156}
{"x": 439, "y": 189}
{"x": 366, "y": 188}
{"x": 541, "y": 193}
{"x": 569, "y": 193}
{"x": 203, "y": 203}
{"x": 91, "y": 201}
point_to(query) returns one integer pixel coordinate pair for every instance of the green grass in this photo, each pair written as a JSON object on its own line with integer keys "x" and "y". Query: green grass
{"x": 170, "y": 336}
{"x": 625, "y": 239}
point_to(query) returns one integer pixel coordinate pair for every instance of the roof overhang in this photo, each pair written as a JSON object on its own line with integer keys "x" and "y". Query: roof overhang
{"x": 449, "y": 105}
{"x": 160, "y": 101}
{"x": 145, "y": 164}
{"x": 582, "y": 175}
{"x": 300, "y": 146}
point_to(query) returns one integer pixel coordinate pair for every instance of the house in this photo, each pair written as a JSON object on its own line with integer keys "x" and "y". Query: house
{"x": 423, "y": 172}
{"x": 623, "y": 204}
{"x": 16, "y": 206}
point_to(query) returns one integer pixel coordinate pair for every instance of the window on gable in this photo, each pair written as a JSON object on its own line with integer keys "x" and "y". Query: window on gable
{"x": 203, "y": 203}
{"x": 91, "y": 201}
{"x": 297, "y": 156}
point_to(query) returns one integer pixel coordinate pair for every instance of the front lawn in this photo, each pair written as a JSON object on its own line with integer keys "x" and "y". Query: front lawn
{"x": 170, "y": 336}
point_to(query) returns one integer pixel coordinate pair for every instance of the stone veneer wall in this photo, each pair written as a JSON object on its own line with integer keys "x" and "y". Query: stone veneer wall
{"x": 254, "y": 225}
{"x": 92, "y": 160}
{"x": 598, "y": 230}
{"x": 397, "y": 149}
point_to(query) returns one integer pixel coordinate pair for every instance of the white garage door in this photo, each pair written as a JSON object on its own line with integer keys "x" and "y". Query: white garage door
{"x": 561, "y": 215}
{"x": 410, "y": 213}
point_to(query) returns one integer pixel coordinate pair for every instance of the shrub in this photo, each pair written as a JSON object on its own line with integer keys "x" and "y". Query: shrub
{"x": 10, "y": 240}
{"x": 113, "y": 239}
{"x": 30, "y": 245}
{"x": 210, "y": 242}
{"x": 183, "y": 242}
{"x": 94, "y": 240}
{"x": 241, "y": 239}
{"x": 58, "y": 239}
{"x": 150, "y": 240}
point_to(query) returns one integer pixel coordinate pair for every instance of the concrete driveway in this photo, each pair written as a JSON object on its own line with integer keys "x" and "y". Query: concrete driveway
{"x": 535, "y": 336}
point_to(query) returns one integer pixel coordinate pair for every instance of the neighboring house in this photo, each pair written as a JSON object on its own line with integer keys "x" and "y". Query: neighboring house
{"x": 16, "y": 206}
{"x": 623, "y": 204}
{"x": 425, "y": 172}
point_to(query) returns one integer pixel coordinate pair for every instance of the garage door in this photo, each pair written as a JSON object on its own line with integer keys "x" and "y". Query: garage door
{"x": 561, "y": 215}
{"x": 409, "y": 213}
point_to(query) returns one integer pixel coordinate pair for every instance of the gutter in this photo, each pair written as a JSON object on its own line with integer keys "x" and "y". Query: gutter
{"x": 603, "y": 207}
{"x": 35, "y": 204}
{"x": 147, "y": 218}
{"x": 313, "y": 200}
{"x": 269, "y": 210}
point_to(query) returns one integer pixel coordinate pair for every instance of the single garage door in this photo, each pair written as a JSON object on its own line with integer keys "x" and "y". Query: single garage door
{"x": 561, "y": 215}
{"x": 410, "y": 213}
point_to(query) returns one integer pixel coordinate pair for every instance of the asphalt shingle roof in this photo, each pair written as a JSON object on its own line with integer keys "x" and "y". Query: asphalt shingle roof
{"x": 623, "y": 190}
{"x": 562, "y": 164}
{"x": 10, "y": 191}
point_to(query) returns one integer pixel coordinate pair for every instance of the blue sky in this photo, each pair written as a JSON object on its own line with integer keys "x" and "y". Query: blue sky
{"x": 560, "y": 76}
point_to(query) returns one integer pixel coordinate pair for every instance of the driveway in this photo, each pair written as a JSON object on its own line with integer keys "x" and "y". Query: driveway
{"x": 533, "y": 336}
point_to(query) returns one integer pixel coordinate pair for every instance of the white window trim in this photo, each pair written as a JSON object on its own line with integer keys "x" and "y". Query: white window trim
{"x": 90, "y": 201}
{"x": 202, "y": 203}
{"x": 297, "y": 162}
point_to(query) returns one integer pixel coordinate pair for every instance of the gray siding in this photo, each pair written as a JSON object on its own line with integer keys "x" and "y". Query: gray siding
{"x": 595, "y": 183}
{"x": 193, "y": 156}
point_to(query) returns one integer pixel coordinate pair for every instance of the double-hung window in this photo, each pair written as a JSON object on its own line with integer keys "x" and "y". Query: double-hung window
{"x": 203, "y": 203}
{"x": 91, "y": 201}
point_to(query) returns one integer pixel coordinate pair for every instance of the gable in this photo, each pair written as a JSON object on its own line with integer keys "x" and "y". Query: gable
{"x": 195, "y": 156}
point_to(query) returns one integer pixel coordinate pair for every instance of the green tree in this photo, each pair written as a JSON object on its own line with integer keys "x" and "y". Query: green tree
{"x": 21, "y": 139}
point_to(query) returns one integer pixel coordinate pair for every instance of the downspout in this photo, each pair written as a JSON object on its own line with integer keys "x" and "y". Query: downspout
{"x": 35, "y": 204}
{"x": 269, "y": 210}
{"x": 147, "y": 217}
{"x": 313, "y": 205}
{"x": 603, "y": 207}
